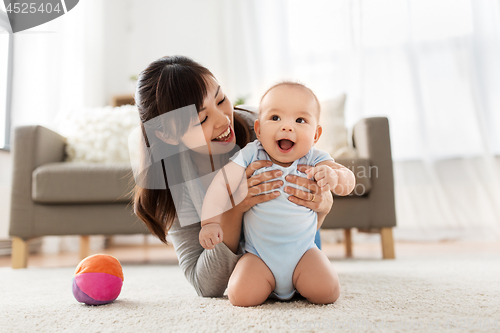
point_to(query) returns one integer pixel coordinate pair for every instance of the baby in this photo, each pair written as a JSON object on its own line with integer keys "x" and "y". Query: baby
{"x": 280, "y": 232}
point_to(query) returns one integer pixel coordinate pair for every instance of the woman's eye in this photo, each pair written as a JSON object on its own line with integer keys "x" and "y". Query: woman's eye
{"x": 275, "y": 118}
{"x": 300, "y": 120}
{"x": 222, "y": 100}
{"x": 203, "y": 121}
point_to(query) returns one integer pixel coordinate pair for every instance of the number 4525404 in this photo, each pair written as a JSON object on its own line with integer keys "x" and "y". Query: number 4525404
{"x": 27, "y": 8}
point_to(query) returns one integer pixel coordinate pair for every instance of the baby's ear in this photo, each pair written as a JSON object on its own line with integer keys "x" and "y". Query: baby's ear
{"x": 317, "y": 135}
{"x": 256, "y": 128}
{"x": 163, "y": 137}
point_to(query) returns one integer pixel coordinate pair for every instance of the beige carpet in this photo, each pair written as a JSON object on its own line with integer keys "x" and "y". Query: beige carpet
{"x": 377, "y": 296}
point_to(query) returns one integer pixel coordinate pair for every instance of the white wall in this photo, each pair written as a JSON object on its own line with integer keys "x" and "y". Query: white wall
{"x": 191, "y": 28}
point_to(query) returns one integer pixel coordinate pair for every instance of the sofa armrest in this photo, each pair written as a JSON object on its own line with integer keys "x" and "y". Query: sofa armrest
{"x": 32, "y": 146}
{"x": 372, "y": 140}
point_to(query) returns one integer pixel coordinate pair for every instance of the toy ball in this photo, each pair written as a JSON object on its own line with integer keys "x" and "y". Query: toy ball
{"x": 98, "y": 280}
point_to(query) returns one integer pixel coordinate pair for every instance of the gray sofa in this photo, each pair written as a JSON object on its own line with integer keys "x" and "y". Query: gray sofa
{"x": 370, "y": 207}
{"x": 53, "y": 197}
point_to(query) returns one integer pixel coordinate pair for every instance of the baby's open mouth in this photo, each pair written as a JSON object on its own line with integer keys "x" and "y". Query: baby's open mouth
{"x": 285, "y": 145}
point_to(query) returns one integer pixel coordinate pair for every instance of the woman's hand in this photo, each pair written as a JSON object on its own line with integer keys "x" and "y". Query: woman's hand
{"x": 319, "y": 200}
{"x": 256, "y": 186}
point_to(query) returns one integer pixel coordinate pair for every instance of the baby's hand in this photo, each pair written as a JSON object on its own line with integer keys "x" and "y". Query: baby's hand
{"x": 210, "y": 235}
{"x": 326, "y": 177}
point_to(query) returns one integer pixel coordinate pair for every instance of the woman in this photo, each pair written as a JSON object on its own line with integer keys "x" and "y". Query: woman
{"x": 199, "y": 143}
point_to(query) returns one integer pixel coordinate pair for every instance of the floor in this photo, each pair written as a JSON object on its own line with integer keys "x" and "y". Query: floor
{"x": 163, "y": 254}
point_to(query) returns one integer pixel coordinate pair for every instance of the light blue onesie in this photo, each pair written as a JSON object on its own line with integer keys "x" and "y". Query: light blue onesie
{"x": 279, "y": 231}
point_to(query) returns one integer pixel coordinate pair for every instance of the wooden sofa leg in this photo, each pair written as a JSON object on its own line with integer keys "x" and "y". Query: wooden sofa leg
{"x": 387, "y": 243}
{"x": 348, "y": 243}
{"x": 19, "y": 253}
{"x": 84, "y": 247}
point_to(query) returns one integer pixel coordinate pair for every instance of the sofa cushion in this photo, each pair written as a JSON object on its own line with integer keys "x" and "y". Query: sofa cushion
{"x": 98, "y": 135}
{"x": 363, "y": 173}
{"x": 68, "y": 182}
{"x": 72, "y": 182}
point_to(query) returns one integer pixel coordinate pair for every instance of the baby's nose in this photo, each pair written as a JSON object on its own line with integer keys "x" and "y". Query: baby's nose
{"x": 287, "y": 128}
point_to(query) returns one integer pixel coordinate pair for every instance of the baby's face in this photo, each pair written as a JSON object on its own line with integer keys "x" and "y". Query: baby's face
{"x": 288, "y": 123}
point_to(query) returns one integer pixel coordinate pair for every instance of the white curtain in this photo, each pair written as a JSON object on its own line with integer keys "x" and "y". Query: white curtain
{"x": 58, "y": 65}
{"x": 430, "y": 66}
{"x": 58, "y": 68}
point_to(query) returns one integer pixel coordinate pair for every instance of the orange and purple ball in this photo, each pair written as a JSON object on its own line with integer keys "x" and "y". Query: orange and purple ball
{"x": 98, "y": 280}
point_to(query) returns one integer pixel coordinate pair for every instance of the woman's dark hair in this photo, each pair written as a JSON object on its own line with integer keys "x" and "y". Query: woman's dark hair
{"x": 167, "y": 84}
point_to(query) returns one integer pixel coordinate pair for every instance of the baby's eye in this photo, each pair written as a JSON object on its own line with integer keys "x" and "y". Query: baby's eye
{"x": 275, "y": 118}
{"x": 300, "y": 120}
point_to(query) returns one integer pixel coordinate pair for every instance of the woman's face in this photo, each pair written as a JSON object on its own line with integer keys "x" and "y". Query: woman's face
{"x": 213, "y": 131}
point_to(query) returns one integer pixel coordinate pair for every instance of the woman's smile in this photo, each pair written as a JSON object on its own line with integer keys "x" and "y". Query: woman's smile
{"x": 224, "y": 136}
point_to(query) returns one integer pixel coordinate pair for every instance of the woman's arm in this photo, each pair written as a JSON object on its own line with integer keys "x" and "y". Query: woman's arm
{"x": 328, "y": 202}
{"x": 208, "y": 271}
{"x": 231, "y": 226}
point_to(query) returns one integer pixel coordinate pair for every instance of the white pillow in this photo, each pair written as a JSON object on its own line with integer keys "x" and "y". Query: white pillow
{"x": 98, "y": 134}
{"x": 334, "y": 136}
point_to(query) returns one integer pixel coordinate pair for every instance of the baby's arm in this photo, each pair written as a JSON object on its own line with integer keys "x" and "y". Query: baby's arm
{"x": 223, "y": 194}
{"x": 333, "y": 176}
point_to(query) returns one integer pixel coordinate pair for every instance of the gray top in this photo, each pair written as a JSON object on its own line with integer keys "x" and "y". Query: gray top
{"x": 207, "y": 270}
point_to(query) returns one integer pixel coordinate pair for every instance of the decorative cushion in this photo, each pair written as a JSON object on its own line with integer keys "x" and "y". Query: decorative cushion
{"x": 98, "y": 134}
{"x": 334, "y": 136}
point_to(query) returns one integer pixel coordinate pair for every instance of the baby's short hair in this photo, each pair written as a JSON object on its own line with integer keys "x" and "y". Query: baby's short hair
{"x": 292, "y": 84}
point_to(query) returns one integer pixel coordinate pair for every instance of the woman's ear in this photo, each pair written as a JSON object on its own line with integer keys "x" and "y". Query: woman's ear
{"x": 256, "y": 128}
{"x": 163, "y": 137}
{"x": 317, "y": 135}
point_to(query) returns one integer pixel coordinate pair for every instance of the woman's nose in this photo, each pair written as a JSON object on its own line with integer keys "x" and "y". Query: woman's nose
{"x": 221, "y": 119}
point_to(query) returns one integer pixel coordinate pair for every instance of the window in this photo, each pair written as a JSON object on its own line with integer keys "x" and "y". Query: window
{"x": 6, "y": 49}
